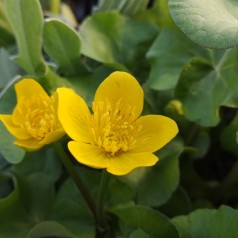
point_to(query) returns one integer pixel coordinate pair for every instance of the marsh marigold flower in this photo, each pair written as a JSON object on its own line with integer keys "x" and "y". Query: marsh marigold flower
{"x": 34, "y": 121}
{"x": 114, "y": 136}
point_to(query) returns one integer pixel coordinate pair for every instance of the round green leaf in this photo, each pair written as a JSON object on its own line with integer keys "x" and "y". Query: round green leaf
{"x": 139, "y": 234}
{"x": 37, "y": 195}
{"x": 209, "y": 223}
{"x": 224, "y": 223}
{"x": 178, "y": 204}
{"x": 71, "y": 211}
{"x": 119, "y": 41}
{"x": 11, "y": 152}
{"x": 50, "y": 229}
{"x": 44, "y": 160}
{"x": 26, "y": 20}
{"x": 150, "y": 221}
{"x": 8, "y": 68}
{"x": 63, "y": 45}
{"x": 13, "y": 219}
{"x": 169, "y": 52}
{"x": 212, "y": 23}
{"x": 164, "y": 177}
{"x": 198, "y": 88}
{"x": 194, "y": 225}
{"x": 229, "y": 137}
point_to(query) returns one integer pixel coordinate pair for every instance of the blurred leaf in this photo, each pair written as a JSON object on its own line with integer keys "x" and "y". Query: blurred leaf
{"x": 164, "y": 177}
{"x": 71, "y": 211}
{"x": 63, "y": 45}
{"x": 208, "y": 85}
{"x": 192, "y": 182}
{"x": 211, "y": 23}
{"x": 26, "y": 205}
{"x": 194, "y": 225}
{"x": 49, "y": 229}
{"x": 3, "y": 162}
{"x": 118, "y": 192}
{"x": 8, "y": 69}
{"x": 6, "y": 35}
{"x": 178, "y": 204}
{"x": 15, "y": 219}
{"x": 224, "y": 223}
{"x": 10, "y": 204}
{"x": 149, "y": 220}
{"x": 86, "y": 84}
{"x": 228, "y": 137}
{"x": 8, "y": 97}
{"x": 51, "y": 81}
{"x": 197, "y": 81}
{"x": 121, "y": 42}
{"x": 37, "y": 195}
{"x": 201, "y": 144}
{"x": 221, "y": 223}
{"x": 26, "y": 19}
{"x": 11, "y": 152}
{"x": 139, "y": 234}
{"x": 169, "y": 52}
{"x": 125, "y": 7}
{"x": 45, "y": 160}
{"x": 163, "y": 15}
{"x": 45, "y": 4}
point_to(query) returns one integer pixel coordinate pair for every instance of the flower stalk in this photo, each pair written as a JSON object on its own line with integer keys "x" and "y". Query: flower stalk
{"x": 74, "y": 175}
{"x": 55, "y": 6}
{"x": 102, "y": 225}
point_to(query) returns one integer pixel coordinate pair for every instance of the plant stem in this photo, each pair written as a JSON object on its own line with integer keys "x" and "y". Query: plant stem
{"x": 101, "y": 219}
{"x": 55, "y": 6}
{"x": 74, "y": 175}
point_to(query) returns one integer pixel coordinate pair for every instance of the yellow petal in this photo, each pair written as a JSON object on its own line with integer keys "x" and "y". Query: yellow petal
{"x": 126, "y": 162}
{"x": 52, "y": 137}
{"x": 17, "y": 117}
{"x": 29, "y": 88}
{"x": 156, "y": 132}
{"x": 30, "y": 144}
{"x": 124, "y": 87}
{"x": 74, "y": 115}
{"x": 88, "y": 155}
{"x": 16, "y": 131}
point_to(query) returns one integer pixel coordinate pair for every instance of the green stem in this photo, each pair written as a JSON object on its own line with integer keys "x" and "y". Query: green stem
{"x": 55, "y": 6}
{"x": 74, "y": 175}
{"x": 101, "y": 219}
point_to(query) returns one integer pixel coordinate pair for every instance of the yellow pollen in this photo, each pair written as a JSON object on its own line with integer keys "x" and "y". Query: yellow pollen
{"x": 39, "y": 114}
{"x": 114, "y": 127}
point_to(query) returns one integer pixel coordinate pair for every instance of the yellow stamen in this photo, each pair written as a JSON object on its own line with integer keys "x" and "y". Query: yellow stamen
{"x": 39, "y": 116}
{"x": 113, "y": 129}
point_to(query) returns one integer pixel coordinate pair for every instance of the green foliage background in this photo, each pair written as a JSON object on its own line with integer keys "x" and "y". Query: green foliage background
{"x": 192, "y": 191}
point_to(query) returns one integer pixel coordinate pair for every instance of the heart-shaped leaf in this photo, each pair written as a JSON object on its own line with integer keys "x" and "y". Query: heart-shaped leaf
{"x": 210, "y": 23}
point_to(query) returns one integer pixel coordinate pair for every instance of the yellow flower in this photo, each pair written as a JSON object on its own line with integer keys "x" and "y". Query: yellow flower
{"x": 34, "y": 121}
{"x": 114, "y": 137}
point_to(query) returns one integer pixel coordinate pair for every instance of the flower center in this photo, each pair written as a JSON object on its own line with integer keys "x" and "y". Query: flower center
{"x": 114, "y": 127}
{"x": 39, "y": 114}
